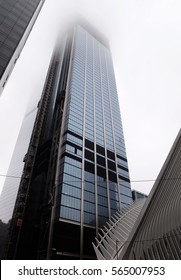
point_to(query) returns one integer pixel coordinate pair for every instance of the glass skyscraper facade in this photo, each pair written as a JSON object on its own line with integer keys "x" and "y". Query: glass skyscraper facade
{"x": 76, "y": 173}
{"x": 93, "y": 135}
{"x": 11, "y": 184}
{"x": 16, "y": 21}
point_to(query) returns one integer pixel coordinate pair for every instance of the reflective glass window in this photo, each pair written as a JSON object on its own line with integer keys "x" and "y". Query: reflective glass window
{"x": 89, "y": 207}
{"x": 69, "y": 213}
{"x": 89, "y": 218}
{"x": 70, "y": 201}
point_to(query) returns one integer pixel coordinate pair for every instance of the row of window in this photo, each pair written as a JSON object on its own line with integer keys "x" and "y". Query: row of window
{"x": 114, "y": 205}
{"x": 71, "y": 180}
{"x": 120, "y": 143}
{"x": 120, "y": 147}
{"x": 122, "y": 153}
{"x": 123, "y": 172}
{"x": 78, "y": 82}
{"x": 71, "y": 202}
{"x": 74, "y": 139}
{"x": 74, "y": 128}
{"x": 73, "y": 187}
{"x": 88, "y": 186}
{"x": 72, "y": 109}
{"x": 89, "y": 218}
{"x": 72, "y": 170}
{"x": 75, "y": 95}
{"x": 89, "y": 128}
{"x": 74, "y": 99}
{"x": 76, "y": 121}
{"x": 5, "y": 7}
{"x": 100, "y": 137}
{"x": 76, "y": 104}
{"x": 11, "y": 20}
{"x": 126, "y": 199}
{"x": 72, "y": 161}
{"x": 79, "y": 61}
{"x": 89, "y": 196}
{"x": 89, "y": 136}
{"x": 110, "y": 129}
{"x": 70, "y": 190}
{"x": 69, "y": 213}
{"x": 102, "y": 191}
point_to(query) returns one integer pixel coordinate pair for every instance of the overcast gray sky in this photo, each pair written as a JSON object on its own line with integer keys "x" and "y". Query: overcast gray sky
{"x": 145, "y": 40}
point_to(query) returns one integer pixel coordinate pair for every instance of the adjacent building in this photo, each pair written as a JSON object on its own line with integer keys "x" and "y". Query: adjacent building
{"x": 137, "y": 195}
{"x": 17, "y": 18}
{"x": 12, "y": 181}
{"x": 76, "y": 174}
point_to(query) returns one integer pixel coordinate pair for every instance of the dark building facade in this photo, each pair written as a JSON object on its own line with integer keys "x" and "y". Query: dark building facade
{"x": 17, "y": 18}
{"x": 76, "y": 173}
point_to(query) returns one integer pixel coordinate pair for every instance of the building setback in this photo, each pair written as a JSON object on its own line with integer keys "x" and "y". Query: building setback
{"x": 17, "y": 18}
{"x": 76, "y": 174}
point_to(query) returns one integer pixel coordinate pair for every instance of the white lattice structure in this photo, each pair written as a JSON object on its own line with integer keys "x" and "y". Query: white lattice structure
{"x": 150, "y": 230}
{"x": 116, "y": 233}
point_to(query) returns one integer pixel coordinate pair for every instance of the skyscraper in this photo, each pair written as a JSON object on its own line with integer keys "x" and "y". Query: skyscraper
{"x": 76, "y": 173}
{"x": 11, "y": 185}
{"x": 17, "y": 18}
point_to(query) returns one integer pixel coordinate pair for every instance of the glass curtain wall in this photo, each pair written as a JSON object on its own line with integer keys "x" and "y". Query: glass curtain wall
{"x": 93, "y": 175}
